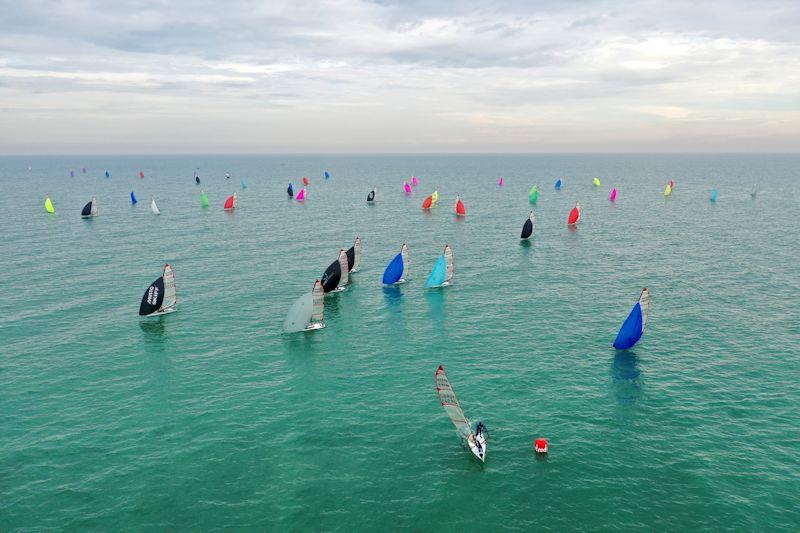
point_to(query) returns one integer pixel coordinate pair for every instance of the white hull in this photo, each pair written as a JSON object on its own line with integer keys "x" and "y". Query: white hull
{"x": 474, "y": 449}
{"x": 162, "y": 312}
{"x": 340, "y": 288}
{"x": 315, "y": 326}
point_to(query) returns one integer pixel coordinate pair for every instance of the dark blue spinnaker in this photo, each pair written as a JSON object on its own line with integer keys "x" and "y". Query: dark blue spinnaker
{"x": 633, "y": 327}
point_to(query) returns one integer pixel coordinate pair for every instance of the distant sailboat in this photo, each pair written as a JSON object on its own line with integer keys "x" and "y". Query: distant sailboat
{"x": 431, "y": 200}
{"x": 203, "y": 199}
{"x": 290, "y": 191}
{"x": 307, "y": 312}
{"x": 597, "y": 182}
{"x": 613, "y": 196}
{"x": 668, "y": 189}
{"x": 574, "y": 215}
{"x": 442, "y": 271}
{"x": 354, "y": 256}
{"x": 447, "y": 397}
{"x": 371, "y": 195}
{"x": 459, "y": 208}
{"x": 398, "y": 270}
{"x": 335, "y": 278}
{"x": 83, "y": 170}
{"x": 230, "y": 202}
{"x": 714, "y": 194}
{"x": 133, "y": 199}
{"x": 154, "y": 207}
{"x": 108, "y": 174}
{"x": 500, "y": 182}
{"x": 406, "y": 187}
{"x": 414, "y": 181}
{"x": 528, "y": 227}
{"x": 435, "y": 197}
{"x": 305, "y": 180}
{"x": 90, "y": 209}
{"x": 301, "y": 196}
{"x": 141, "y": 174}
{"x": 558, "y": 184}
{"x": 533, "y": 194}
{"x": 48, "y": 205}
{"x": 633, "y": 327}
{"x": 71, "y": 173}
{"x": 753, "y": 192}
{"x": 196, "y": 179}
{"x": 161, "y": 296}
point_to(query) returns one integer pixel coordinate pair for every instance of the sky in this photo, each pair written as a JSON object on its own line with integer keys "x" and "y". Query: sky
{"x": 353, "y": 76}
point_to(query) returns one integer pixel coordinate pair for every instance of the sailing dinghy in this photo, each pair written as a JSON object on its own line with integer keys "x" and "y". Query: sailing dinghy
{"x": 354, "y": 256}
{"x": 90, "y": 209}
{"x": 230, "y": 202}
{"x": 335, "y": 278}
{"x": 154, "y": 207}
{"x": 613, "y": 196}
{"x": 529, "y": 227}
{"x": 558, "y": 184}
{"x": 301, "y": 195}
{"x": 460, "y": 210}
{"x": 134, "y": 201}
{"x": 574, "y": 215}
{"x": 290, "y": 191}
{"x": 203, "y": 199}
{"x": 447, "y": 397}
{"x": 397, "y": 271}
{"x": 533, "y": 194}
{"x": 161, "y": 296}
{"x": 633, "y": 327}
{"x": 668, "y": 189}
{"x": 371, "y": 195}
{"x": 406, "y": 187}
{"x": 48, "y": 205}
{"x": 442, "y": 271}
{"x": 307, "y": 312}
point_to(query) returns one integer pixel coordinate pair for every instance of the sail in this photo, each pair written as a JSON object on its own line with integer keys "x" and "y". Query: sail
{"x": 459, "y": 208}
{"x": 533, "y": 195}
{"x": 108, "y": 174}
{"x": 438, "y": 275}
{"x": 667, "y": 190}
{"x": 354, "y": 256}
{"x": 426, "y": 204}
{"x": 447, "y": 397}
{"x": 83, "y": 170}
{"x": 671, "y": 184}
{"x": 500, "y": 182}
{"x": 407, "y": 187}
{"x": 48, "y": 205}
{"x": 435, "y": 197}
{"x": 448, "y": 263}
{"x": 197, "y": 179}
{"x": 290, "y": 191}
{"x": 327, "y": 176}
{"x": 394, "y": 271}
{"x": 558, "y": 184}
{"x": 305, "y": 180}
{"x": 300, "y": 313}
{"x": 613, "y": 196}
{"x": 597, "y": 182}
{"x": 371, "y": 196}
{"x": 170, "y": 289}
{"x": 414, "y": 181}
{"x": 154, "y": 207}
{"x": 406, "y": 262}
{"x": 90, "y": 209}
{"x": 203, "y": 199}
{"x": 529, "y": 226}
{"x": 330, "y": 278}
{"x": 574, "y": 215}
{"x": 633, "y": 327}
{"x": 318, "y": 303}
{"x": 230, "y": 202}
{"x": 153, "y": 298}
{"x": 141, "y": 174}
{"x": 344, "y": 279}
{"x": 133, "y": 198}
{"x": 714, "y": 194}
{"x": 301, "y": 195}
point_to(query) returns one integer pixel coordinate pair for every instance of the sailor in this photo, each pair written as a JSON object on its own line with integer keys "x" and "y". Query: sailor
{"x": 479, "y": 429}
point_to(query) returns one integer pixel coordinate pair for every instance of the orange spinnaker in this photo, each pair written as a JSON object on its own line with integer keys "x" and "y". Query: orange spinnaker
{"x": 427, "y": 203}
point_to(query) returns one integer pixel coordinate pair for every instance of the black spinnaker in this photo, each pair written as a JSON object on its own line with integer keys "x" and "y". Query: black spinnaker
{"x": 371, "y": 196}
{"x": 528, "y": 227}
{"x": 153, "y": 298}
{"x": 330, "y": 279}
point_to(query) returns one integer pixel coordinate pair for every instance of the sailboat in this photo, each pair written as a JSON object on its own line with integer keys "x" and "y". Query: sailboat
{"x": 290, "y": 191}
{"x": 435, "y": 197}
{"x": 335, "y": 278}
{"x": 196, "y": 179}
{"x": 327, "y": 175}
{"x": 414, "y": 181}
{"x": 613, "y": 196}
{"x": 460, "y": 210}
{"x": 406, "y": 187}
{"x": 133, "y": 199}
{"x": 668, "y": 188}
{"x": 633, "y": 327}
{"x": 398, "y": 269}
{"x": 574, "y": 215}
{"x": 161, "y": 296}
{"x": 354, "y": 256}
{"x": 71, "y": 173}
{"x": 714, "y": 194}
{"x": 307, "y": 312}
{"x": 558, "y": 184}
{"x": 108, "y": 174}
{"x": 371, "y": 195}
{"x": 90, "y": 209}
{"x": 533, "y": 194}
{"x": 203, "y": 199}
{"x": 301, "y": 195}
{"x": 431, "y": 200}
{"x": 597, "y": 182}
{"x": 230, "y": 202}
{"x": 442, "y": 271}
{"x": 447, "y": 397}
{"x": 154, "y": 207}
{"x": 141, "y": 174}
{"x": 500, "y": 182}
{"x": 528, "y": 227}
{"x": 48, "y": 205}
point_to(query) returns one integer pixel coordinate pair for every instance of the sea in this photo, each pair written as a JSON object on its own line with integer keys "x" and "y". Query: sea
{"x": 211, "y": 418}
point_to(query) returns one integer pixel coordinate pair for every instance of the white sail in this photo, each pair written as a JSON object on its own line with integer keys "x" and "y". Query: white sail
{"x": 406, "y": 263}
{"x": 356, "y": 255}
{"x": 344, "y": 279}
{"x": 448, "y": 260}
{"x": 154, "y": 207}
{"x": 95, "y": 208}
{"x": 317, "y": 305}
{"x": 644, "y": 304}
{"x": 447, "y": 397}
{"x": 170, "y": 290}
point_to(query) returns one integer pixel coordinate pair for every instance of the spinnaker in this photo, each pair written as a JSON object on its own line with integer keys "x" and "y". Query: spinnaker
{"x": 133, "y": 199}
{"x": 230, "y": 202}
{"x": 406, "y": 187}
{"x": 414, "y": 181}
{"x": 714, "y": 194}
{"x": 154, "y": 207}
{"x": 90, "y": 209}
{"x": 290, "y": 191}
{"x": 203, "y": 199}
{"x": 161, "y": 296}
{"x": 574, "y": 215}
{"x": 459, "y": 207}
{"x": 449, "y": 401}
{"x": 597, "y": 182}
{"x": 613, "y": 196}
{"x": 633, "y": 327}
{"x": 48, "y": 205}
{"x": 558, "y": 184}
{"x": 533, "y": 194}
{"x": 336, "y": 277}
{"x": 442, "y": 271}
{"x": 528, "y": 227}
{"x": 301, "y": 195}
{"x": 398, "y": 269}
{"x": 371, "y": 195}
{"x": 668, "y": 189}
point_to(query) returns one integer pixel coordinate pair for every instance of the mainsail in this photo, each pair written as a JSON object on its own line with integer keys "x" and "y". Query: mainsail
{"x": 435, "y": 197}
{"x": 344, "y": 279}
{"x": 397, "y": 271}
{"x": 448, "y": 263}
{"x": 406, "y": 187}
{"x": 529, "y": 227}
{"x": 597, "y": 182}
{"x": 307, "y": 312}
{"x": 447, "y": 397}
{"x": 154, "y": 207}
{"x": 48, "y": 205}
{"x": 301, "y": 195}
{"x": 90, "y": 209}
{"x": 318, "y": 303}
{"x": 354, "y": 256}
{"x": 633, "y": 327}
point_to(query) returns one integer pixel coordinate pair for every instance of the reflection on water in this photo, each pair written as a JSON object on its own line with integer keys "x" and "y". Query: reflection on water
{"x": 392, "y": 295}
{"x": 153, "y": 330}
{"x": 626, "y": 377}
{"x": 436, "y": 307}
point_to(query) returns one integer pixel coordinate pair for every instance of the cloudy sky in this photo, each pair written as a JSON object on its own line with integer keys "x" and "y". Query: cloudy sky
{"x": 239, "y": 76}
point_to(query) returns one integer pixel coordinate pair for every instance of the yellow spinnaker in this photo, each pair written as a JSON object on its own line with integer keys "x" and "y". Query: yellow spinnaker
{"x": 597, "y": 182}
{"x": 48, "y": 205}
{"x": 667, "y": 190}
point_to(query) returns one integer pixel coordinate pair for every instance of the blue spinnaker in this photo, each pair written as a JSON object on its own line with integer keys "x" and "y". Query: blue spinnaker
{"x": 394, "y": 271}
{"x": 327, "y": 176}
{"x": 558, "y": 183}
{"x": 438, "y": 274}
{"x": 631, "y": 330}
{"x": 133, "y": 198}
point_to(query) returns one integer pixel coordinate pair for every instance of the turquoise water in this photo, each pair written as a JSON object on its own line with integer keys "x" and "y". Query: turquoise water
{"x": 211, "y": 417}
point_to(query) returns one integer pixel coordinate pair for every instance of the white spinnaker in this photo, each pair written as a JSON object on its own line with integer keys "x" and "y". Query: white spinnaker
{"x": 644, "y": 303}
{"x": 318, "y": 303}
{"x": 170, "y": 289}
{"x": 154, "y": 207}
{"x": 448, "y": 261}
{"x": 406, "y": 263}
{"x": 344, "y": 279}
{"x": 357, "y": 254}
{"x": 447, "y": 397}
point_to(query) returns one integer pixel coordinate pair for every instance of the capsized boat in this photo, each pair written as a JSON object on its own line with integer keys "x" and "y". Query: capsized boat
{"x": 398, "y": 269}
{"x": 597, "y": 182}
{"x": 301, "y": 195}
{"x": 448, "y": 399}
{"x": 290, "y": 191}
{"x": 633, "y": 327}
{"x": 558, "y": 184}
{"x": 48, "y": 205}
{"x": 154, "y": 207}
{"x": 528, "y": 227}
{"x": 533, "y": 194}
{"x": 406, "y": 187}
{"x": 307, "y": 313}
{"x": 459, "y": 207}
{"x": 371, "y": 195}
{"x": 442, "y": 271}
{"x": 133, "y": 199}
{"x": 203, "y": 199}
{"x": 354, "y": 256}
{"x": 574, "y": 215}
{"x": 230, "y": 202}
{"x": 161, "y": 296}
{"x": 335, "y": 278}
{"x": 613, "y": 196}
{"x": 714, "y": 194}
{"x": 90, "y": 209}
